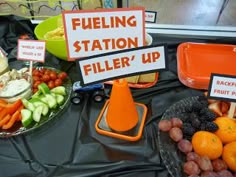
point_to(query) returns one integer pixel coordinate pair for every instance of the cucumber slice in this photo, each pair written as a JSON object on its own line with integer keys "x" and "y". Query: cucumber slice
{"x": 44, "y": 100}
{"x": 53, "y": 94}
{"x": 35, "y": 99}
{"x": 45, "y": 107}
{"x": 37, "y": 113}
{"x": 26, "y": 117}
{"x": 38, "y": 103}
{"x": 60, "y": 99}
{"x": 61, "y": 90}
{"x": 51, "y": 100}
{"x": 45, "y": 110}
{"x": 28, "y": 104}
{"x": 44, "y": 88}
{"x": 37, "y": 94}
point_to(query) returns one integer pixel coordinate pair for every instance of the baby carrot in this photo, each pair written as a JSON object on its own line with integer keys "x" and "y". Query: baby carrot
{"x": 3, "y": 101}
{"x": 3, "y": 113}
{"x": 3, "y": 105}
{"x": 11, "y": 108}
{"x": 5, "y": 120}
{"x": 11, "y": 122}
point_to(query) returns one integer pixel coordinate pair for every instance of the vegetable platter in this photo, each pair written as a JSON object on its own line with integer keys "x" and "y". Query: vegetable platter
{"x": 50, "y": 94}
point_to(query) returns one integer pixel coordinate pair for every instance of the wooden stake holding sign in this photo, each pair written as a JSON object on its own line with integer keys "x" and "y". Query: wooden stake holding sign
{"x": 223, "y": 87}
{"x": 31, "y": 50}
{"x": 31, "y": 68}
{"x": 232, "y": 109}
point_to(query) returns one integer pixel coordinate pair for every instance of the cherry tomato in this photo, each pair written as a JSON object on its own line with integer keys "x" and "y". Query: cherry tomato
{"x": 36, "y": 73}
{"x": 47, "y": 71}
{"x": 36, "y": 78}
{"x": 58, "y": 82}
{"x": 42, "y": 70}
{"x": 35, "y": 85}
{"x": 62, "y": 75}
{"x": 46, "y": 78}
{"x": 53, "y": 76}
{"x": 51, "y": 84}
{"x": 54, "y": 72}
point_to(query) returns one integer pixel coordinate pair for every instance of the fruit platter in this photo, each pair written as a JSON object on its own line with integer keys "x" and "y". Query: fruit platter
{"x": 198, "y": 139}
{"x": 29, "y": 101}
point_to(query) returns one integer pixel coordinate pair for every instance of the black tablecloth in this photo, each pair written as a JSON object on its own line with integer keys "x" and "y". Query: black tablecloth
{"x": 69, "y": 146}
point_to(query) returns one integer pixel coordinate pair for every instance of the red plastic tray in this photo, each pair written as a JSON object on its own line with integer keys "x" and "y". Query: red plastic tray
{"x": 196, "y": 62}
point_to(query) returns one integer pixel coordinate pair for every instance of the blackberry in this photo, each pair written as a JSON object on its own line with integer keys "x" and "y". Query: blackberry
{"x": 203, "y": 126}
{"x": 210, "y": 116}
{"x": 211, "y": 126}
{"x": 203, "y": 100}
{"x": 193, "y": 116}
{"x": 187, "y": 124}
{"x": 202, "y": 119}
{"x": 203, "y": 111}
{"x": 188, "y": 109}
{"x": 184, "y": 117}
{"x": 197, "y": 106}
{"x": 196, "y": 123}
{"x": 200, "y": 98}
{"x": 188, "y": 130}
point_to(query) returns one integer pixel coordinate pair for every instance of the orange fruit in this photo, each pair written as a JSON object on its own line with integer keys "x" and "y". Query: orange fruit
{"x": 229, "y": 155}
{"x": 227, "y": 129}
{"x": 207, "y": 144}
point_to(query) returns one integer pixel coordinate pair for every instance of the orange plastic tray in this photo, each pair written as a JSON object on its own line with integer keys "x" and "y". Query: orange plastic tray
{"x": 139, "y": 85}
{"x": 196, "y": 62}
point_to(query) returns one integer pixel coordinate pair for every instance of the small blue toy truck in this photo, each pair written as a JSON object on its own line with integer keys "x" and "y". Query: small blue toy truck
{"x": 96, "y": 90}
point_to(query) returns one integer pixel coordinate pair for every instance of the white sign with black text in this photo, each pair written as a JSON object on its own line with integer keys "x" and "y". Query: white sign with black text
{"x": 150, "y": 16}
{"x": 222, "y": 87}
{"x": 122, "y": 63}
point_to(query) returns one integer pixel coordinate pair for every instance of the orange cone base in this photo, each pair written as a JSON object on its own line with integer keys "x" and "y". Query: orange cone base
{"x": 131, "y": 135}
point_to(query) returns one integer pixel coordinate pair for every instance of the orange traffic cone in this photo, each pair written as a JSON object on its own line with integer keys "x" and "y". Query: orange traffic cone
{"x": 122, "y": 114}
